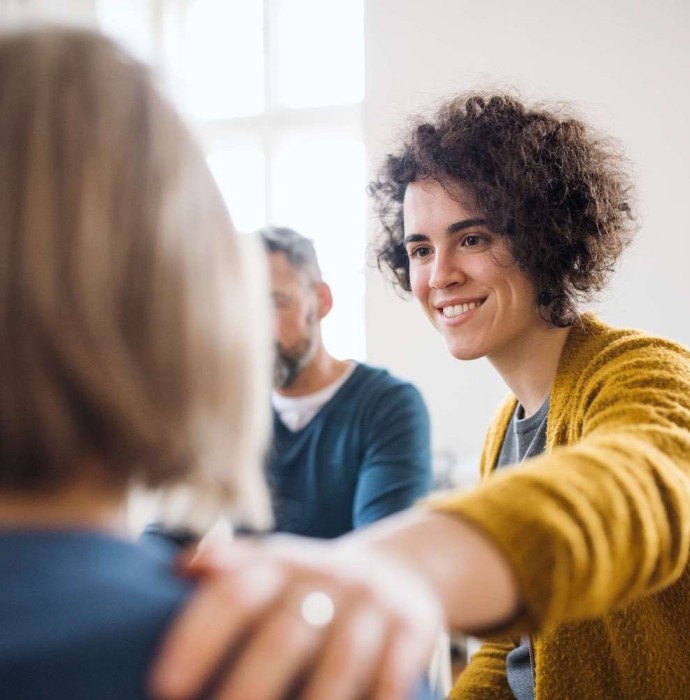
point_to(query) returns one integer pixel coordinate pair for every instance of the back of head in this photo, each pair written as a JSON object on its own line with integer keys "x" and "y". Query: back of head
{"x": 125, "y": 334}
{"x": 559, "y": 191}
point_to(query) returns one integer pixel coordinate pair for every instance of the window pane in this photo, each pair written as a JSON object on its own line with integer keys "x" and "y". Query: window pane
{"x": 318, "y": 189}
{"x": 344, "y": 327}
{"x": 240, "y": 174}
{"x": 224, "y": 58}
{"x": 319, "y": 52}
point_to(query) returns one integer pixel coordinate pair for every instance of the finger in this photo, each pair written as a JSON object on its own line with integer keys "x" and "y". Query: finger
{"x": 216, "y": 557}
{"x": 348, "y": 663}
{"x": 279, "y": 650}
{"x": 404, "y": 663}
{"x": 215, "y": 616}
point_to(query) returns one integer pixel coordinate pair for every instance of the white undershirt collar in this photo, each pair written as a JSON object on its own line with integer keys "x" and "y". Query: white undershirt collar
{"x": 296, "y": 411}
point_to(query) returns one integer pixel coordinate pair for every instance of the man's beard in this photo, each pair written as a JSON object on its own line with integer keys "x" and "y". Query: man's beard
{"x": 289, "y": 362}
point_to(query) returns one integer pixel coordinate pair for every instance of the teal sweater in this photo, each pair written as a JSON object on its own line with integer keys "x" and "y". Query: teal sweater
{"x": 364, "y": 455}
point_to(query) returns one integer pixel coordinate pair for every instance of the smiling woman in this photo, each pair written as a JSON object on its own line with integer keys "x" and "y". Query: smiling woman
{"x": 501, "y": 220}
{"x": 575, "y": 560}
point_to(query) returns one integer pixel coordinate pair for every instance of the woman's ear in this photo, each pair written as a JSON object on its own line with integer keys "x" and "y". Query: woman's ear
{"x": 324, "y": 299}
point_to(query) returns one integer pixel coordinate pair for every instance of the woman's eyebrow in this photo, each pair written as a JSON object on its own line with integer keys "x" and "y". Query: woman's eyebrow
{"x": 414, "y": 238}
{"x": 453, "y": 228}
{"x": 467, "y": 223}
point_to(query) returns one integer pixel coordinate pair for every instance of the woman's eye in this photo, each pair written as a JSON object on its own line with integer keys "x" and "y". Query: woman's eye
{"x": 419, "y": 252}
{"x": 472, "y": 240}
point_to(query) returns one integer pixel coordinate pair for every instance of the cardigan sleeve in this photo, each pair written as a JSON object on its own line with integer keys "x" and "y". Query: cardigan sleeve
{"x": 604, "y": 518}
{"x": 485, "y": 676}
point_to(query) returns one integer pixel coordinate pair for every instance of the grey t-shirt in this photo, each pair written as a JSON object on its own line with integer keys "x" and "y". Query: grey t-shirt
{"x": 525, "y": 438}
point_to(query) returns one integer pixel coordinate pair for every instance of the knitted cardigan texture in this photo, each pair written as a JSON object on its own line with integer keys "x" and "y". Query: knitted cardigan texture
{"x": 597, "y": 529}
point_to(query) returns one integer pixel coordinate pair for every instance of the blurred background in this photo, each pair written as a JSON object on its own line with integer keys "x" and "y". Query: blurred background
{"x": 297, "y": 101}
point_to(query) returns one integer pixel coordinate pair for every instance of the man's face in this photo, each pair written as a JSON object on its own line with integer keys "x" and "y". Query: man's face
{"x": 296, "y": 330}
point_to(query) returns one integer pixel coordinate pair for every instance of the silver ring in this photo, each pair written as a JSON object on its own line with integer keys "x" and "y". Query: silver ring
{"x": 317, "y": 609}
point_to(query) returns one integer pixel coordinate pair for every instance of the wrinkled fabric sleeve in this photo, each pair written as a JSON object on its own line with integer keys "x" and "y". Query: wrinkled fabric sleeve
{"x": 485, "y": 676}
{"x": 603, "y": 519}
{"x": 396, "y": 465}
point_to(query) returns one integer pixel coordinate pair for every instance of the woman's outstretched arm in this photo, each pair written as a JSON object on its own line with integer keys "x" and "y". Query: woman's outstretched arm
{"x": 393, "y": 587}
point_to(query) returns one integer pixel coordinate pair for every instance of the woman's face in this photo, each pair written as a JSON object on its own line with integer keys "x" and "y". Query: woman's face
{"x": 464, "y": 276}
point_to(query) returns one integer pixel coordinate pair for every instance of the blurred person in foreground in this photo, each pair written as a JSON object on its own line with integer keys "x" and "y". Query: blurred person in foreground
{"x": 350, "y": 442}
{"x": 127, "y": 359}
{"x": 133, "y": 353}
{"x": 571, "y": 556}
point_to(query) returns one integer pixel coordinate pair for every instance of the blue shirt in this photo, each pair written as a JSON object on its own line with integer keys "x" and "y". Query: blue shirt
{"x": 365, "y": 455}
{"x": 81, "y": 615}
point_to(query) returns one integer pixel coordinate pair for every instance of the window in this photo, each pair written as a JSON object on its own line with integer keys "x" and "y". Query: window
{"x": 274, "y": 89}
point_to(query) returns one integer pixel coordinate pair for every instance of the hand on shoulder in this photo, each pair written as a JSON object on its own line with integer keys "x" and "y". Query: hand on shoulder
{"x": 288, "y": 615}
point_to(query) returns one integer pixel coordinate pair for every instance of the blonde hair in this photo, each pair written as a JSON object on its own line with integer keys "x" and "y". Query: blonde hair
{"x": 131, "y": 330}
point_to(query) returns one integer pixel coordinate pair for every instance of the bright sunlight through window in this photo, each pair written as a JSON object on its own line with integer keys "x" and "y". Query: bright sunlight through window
{"x": 274, "y": 89}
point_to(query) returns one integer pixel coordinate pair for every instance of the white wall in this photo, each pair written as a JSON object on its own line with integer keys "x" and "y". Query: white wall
{"x": 624, "y": 64}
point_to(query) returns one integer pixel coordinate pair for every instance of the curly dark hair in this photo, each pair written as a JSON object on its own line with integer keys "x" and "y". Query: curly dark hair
{"x": 558, "y": 191}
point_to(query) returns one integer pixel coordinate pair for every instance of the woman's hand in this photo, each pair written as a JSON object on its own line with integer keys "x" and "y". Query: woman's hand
{"x": 290, "y": 617}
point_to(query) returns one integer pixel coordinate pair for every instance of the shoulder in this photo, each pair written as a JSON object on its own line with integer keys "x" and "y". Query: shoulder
{"x": 100, "y": 574}
{"x": 618, "y": 377}
{"x": 97, "y": 604}
{"x": 375, "y": 399}
{"x": 379, "y": 379}
{"x": 595, "y": 350}
{"x": 382, "y": 391}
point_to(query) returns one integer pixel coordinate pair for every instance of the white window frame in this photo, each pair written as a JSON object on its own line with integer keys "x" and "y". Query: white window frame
{"x": 166, "y": 20}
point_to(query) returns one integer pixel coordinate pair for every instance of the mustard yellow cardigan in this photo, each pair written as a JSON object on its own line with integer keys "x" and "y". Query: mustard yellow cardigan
{"x": 597, "y": 529}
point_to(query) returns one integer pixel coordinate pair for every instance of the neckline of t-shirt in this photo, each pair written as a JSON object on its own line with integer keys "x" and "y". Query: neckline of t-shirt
{"x": 523, "y": 425}
{"x": 320, "y": 397}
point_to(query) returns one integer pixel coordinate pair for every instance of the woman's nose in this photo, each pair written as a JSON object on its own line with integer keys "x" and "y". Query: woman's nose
{"x": 446, "y": 272}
